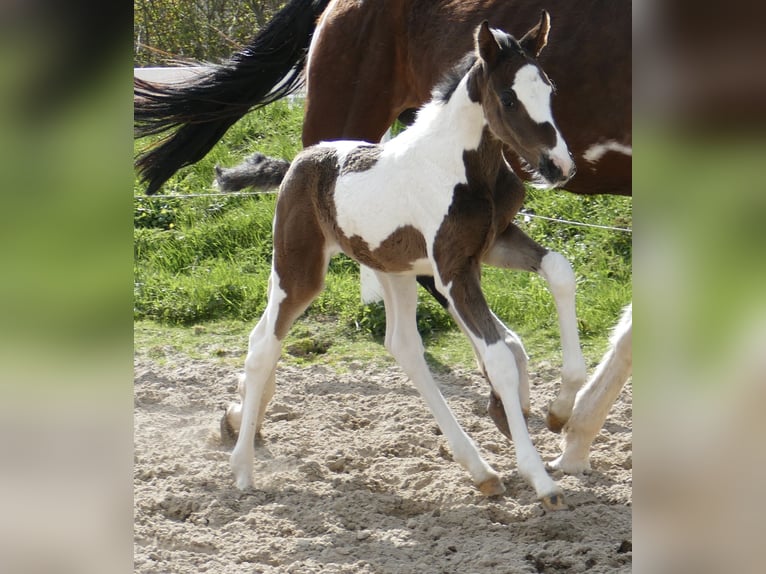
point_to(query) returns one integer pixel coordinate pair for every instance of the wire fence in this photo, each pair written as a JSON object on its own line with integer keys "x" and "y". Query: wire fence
{"x": 525, "y": 215}
{"x": 522, "y": 214}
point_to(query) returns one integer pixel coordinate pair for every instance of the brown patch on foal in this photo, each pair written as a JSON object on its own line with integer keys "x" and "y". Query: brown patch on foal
{"x": 396, "y": 254}
{"x": 496, "y": 412}
{"x": 514, "y": 249}
{"x": 300, "y": 236}
{"x": 361, "y": 158}
{"x": 469, "y": 229}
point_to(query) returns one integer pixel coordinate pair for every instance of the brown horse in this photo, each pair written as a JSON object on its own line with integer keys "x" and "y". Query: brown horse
{"x": 377, "y": 205}
{"x": 371, "y": 61}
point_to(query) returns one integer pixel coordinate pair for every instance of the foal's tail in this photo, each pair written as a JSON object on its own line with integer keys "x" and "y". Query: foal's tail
{"x": 257, "y": 171}
{"x": 201, "y": 110}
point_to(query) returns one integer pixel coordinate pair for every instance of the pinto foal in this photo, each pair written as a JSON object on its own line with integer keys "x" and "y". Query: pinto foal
{"x": 436, "y": 200}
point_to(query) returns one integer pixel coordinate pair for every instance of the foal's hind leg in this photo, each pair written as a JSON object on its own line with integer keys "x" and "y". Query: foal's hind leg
{"x": 512, "y": 341}
{"x": 293, "y": 285}
{"x": 495, "y": 407}
{"x": 263, "y": 353}
{"x": 232, "y": 418}
{"x": 514, "y": 249}
{"x": 404, "y": 343}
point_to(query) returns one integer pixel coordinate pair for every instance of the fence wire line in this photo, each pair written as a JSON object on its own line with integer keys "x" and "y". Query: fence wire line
{"x": 222, "y": 194}
{"x": 521, "y": 214}
{"x": 578, "y": 223}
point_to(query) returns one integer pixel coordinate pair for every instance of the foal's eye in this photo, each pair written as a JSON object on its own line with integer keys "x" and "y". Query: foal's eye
{"x": 508, "y": 98}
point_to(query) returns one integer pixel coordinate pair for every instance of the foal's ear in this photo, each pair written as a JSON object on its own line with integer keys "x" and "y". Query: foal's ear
{"x": 486, "y": 44}
{"x": 535, "y": 40}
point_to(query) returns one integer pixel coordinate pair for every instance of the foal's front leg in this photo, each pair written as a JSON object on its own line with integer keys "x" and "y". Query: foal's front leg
{"x": 596, "y": 398}
{"x": 514, "y": 249}
{"x": 477, "y": 321}
{"x": 495, "y": 406}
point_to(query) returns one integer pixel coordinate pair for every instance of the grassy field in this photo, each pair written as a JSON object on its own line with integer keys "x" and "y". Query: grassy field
{"x": 201, "y": 269}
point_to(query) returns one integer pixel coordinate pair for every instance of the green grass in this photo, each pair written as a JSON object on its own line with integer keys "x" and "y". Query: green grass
{"x": 204, "y": 263}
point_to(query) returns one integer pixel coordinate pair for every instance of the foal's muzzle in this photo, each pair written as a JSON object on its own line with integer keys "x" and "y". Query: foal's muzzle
{"x": 556, "y": 172}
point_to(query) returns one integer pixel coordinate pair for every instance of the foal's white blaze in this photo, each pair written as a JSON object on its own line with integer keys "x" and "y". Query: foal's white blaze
{"x": 535, "y": 94}
{"x": 595, "y": 152}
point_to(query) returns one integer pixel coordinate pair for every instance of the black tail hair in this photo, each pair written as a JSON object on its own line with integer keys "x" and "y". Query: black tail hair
{"x": 201, "y": 110}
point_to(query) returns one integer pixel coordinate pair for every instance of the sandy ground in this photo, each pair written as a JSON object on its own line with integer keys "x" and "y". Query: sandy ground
{"x": 353, "y": 475}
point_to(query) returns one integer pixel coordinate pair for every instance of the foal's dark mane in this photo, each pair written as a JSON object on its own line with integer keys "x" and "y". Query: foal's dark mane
{"x": 444, "y": 89}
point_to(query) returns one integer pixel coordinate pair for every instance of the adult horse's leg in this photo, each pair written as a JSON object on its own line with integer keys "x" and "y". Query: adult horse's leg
{"x": 404, "y": 343}
{"x": 596, "y": 398}
{"x": 514, "y": 249}
{"x": 466, "y": 298}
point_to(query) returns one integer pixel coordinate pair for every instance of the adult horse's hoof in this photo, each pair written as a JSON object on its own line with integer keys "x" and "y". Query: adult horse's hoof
{"x": 554, "y": 501}
{"x": 493, "y": 486}
{"x": 553, "y": 422}
{"x": 228, "y": 434}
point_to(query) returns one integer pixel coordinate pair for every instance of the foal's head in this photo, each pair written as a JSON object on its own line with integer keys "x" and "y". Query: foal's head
{"x": 515, "y": 94}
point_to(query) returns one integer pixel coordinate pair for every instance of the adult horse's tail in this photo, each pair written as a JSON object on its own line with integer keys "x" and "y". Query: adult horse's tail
{"x": 201, "y": 110}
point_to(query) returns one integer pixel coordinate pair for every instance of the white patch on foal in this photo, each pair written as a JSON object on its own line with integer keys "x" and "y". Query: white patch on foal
{"x": 595, "y": 152}
{"x": 535, "y": 94}
{"x": 410, "y": 184}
